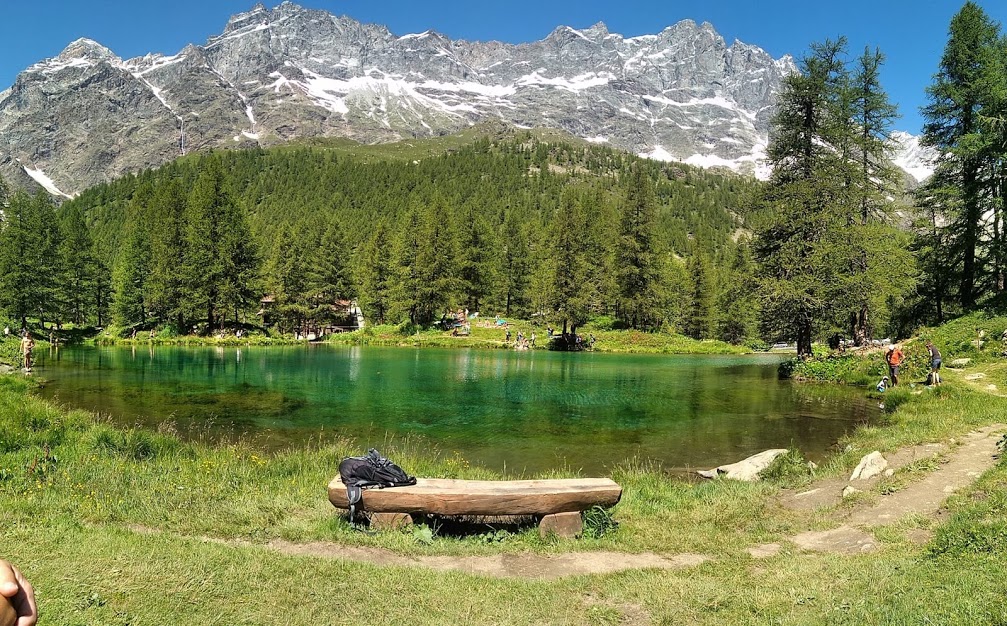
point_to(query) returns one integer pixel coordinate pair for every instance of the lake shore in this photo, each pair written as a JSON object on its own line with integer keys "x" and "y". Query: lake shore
{"x": 485, "y": 337}
{"x": 111, "y": 522}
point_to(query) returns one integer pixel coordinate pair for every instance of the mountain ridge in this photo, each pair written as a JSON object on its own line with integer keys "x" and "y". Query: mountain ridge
{"x": 273, "y": 75}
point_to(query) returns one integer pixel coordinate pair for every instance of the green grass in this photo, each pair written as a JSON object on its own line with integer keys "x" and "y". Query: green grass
{"x": 113, "y": 525}
{"x": 493, "y": 337}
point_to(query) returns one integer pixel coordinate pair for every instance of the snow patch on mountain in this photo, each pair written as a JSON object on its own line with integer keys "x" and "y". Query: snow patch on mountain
{"x": 909, "y": 155}
{"x": 47, "y": 183}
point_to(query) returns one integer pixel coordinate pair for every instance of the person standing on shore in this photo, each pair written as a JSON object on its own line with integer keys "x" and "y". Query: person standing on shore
{"x": 894, "y": 358}
{"x": 935, "y": 364}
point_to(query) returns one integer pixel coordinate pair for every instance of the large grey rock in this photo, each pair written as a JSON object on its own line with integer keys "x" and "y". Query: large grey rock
{"x": 290, "y": 72}
{"x": 747, "y": 469}
{"x": 870, "y": 466}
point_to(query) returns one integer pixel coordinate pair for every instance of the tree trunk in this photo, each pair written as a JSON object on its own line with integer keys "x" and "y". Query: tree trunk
{"x": 803, "y": 338}
{"x": 970, "y": 238}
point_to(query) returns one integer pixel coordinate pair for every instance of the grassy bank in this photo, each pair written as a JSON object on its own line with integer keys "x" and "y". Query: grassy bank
{"x": 974, "y": 338}
{"x": 493, "y": 337}
{"x": 112, "y": 525}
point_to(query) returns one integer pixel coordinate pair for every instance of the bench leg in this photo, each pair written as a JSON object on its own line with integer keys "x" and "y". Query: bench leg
{"x": 390, "y": 521}
{"x": 563, "y": 525}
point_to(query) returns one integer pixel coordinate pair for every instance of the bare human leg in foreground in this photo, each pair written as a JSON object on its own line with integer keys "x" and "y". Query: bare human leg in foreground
{"x": 17, "y": 598}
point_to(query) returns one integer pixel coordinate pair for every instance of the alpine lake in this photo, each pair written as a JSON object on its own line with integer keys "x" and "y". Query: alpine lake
{"x": 521, "y": 413}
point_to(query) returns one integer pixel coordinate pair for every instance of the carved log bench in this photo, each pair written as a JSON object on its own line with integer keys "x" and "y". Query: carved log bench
{"x": 558, "y": 504}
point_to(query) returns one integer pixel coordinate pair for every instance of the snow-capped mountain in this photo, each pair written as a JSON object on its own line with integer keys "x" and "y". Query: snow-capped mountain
{"x": 274, "y": 75}
{"x": 915, "y": 159}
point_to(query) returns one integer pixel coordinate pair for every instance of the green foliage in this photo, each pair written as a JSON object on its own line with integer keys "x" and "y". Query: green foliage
{"x": 598, "y": 522}
{"x": 829, "y": 257}
{"x": 514, "y": 224}
{"x": 835, "y": 368}
{"x": 965, "y": 118}
{"x": 788, "y": 469}
{"x": 30, "y": 270}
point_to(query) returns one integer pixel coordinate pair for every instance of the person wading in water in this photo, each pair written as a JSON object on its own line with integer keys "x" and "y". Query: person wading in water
{"x": 27, "y": 345}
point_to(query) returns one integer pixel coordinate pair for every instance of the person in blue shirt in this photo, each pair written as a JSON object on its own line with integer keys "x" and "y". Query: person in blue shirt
{"x": 935, "y": 364}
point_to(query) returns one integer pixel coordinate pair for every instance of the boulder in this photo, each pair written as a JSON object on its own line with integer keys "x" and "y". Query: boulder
{"x": 959, "y": 362}
{"x": 748, "y": 469}
{"x": 6, "y": 369}
{"x": 850, "y": 490}
{"x": 869, "y": 466}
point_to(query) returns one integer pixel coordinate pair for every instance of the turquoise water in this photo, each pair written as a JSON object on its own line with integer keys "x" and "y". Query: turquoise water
{"x": 519, "y": 412}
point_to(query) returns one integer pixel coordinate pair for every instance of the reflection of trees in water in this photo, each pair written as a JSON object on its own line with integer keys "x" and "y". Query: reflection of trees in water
{"x": 587, "y": 409}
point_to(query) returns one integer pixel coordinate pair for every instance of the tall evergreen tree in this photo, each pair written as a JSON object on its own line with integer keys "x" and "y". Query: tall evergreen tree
{"x": 221, "y": 261}
{"x": 569, "y": 293}
{"x": 476, "y": 253}
{"x": 738, "y": 299}
{"x": 128, "y": 275}
{"x": 880, "y": 267}
{"x": 329, "y": 271}
{"x": 374, "y": 275}
{"x": 80, "y": 266}
{"x": 703, "y": 296}
{"x": 165, "y": 283}
{"x": 637, "y": 264}
{"x": 437, "y": 282}
{"x": 515, "y": 261}
{"x": 25, "y": 270}
{"x": 807, "y": 198}
{"x": 956, "y": 101}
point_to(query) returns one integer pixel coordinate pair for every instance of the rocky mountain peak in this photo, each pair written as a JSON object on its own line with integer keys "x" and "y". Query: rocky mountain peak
{"x": 278, "y": 74}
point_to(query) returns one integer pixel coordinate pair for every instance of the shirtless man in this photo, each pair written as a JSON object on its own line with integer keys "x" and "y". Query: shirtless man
{"x": 27, "y": 345}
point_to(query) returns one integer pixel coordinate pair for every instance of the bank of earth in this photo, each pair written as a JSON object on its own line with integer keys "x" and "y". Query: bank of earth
{"x": 129, "y": 526}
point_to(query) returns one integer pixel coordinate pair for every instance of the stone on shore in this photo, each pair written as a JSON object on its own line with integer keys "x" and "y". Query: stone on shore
{"x": 870, "y": 466}
{"x": 850, "y": 490}
{"x": 747, "y": 470}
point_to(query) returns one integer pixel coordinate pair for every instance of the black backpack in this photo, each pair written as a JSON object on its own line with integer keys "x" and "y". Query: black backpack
{"x": 360, "y": 472}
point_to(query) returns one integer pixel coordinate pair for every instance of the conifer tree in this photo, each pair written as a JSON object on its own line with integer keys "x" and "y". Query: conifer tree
{"x": 515, "y": 262}
{"x": 404, "y": 292}
{"x": 703, "y": 296}
{"x": 807, "y": 199}
{"x": 374, "y": 275}
{"x": 165, "y": 284}
{"x": 80, "y": 266}
{"x": 437, "y": 282}
{"x": 738, "y": 299}
{"x": 24, "y": 245}
{"x": 957, "y": 99}
{"x": 569, "y": 293}
{"x": 476, "y": 252}
{"x": 637, "y": 265}
{"x": 131, "y": 268}
{"x": 329, "y": 272}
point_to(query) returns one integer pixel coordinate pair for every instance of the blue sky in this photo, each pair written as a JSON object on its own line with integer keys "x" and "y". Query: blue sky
{"x": 911, "y": 33}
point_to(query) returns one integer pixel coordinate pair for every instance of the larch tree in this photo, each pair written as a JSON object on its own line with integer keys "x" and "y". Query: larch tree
{"x": 807, "y": 198}
{"x": 958, "y": 98}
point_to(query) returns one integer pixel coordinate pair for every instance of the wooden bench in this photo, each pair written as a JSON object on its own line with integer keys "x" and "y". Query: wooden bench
{"x": 558, "y": 503}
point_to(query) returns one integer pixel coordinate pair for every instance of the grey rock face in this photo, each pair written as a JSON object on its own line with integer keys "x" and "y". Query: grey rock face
{"x": 274, "y": 75}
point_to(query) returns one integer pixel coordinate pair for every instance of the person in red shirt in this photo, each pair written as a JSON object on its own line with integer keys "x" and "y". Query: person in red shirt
{"x": 894, "y": 358}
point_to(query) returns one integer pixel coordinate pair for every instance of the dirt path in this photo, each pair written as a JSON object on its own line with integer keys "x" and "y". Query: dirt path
{"x": 960, "y": 467}
{"x": 522, "y": 565}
